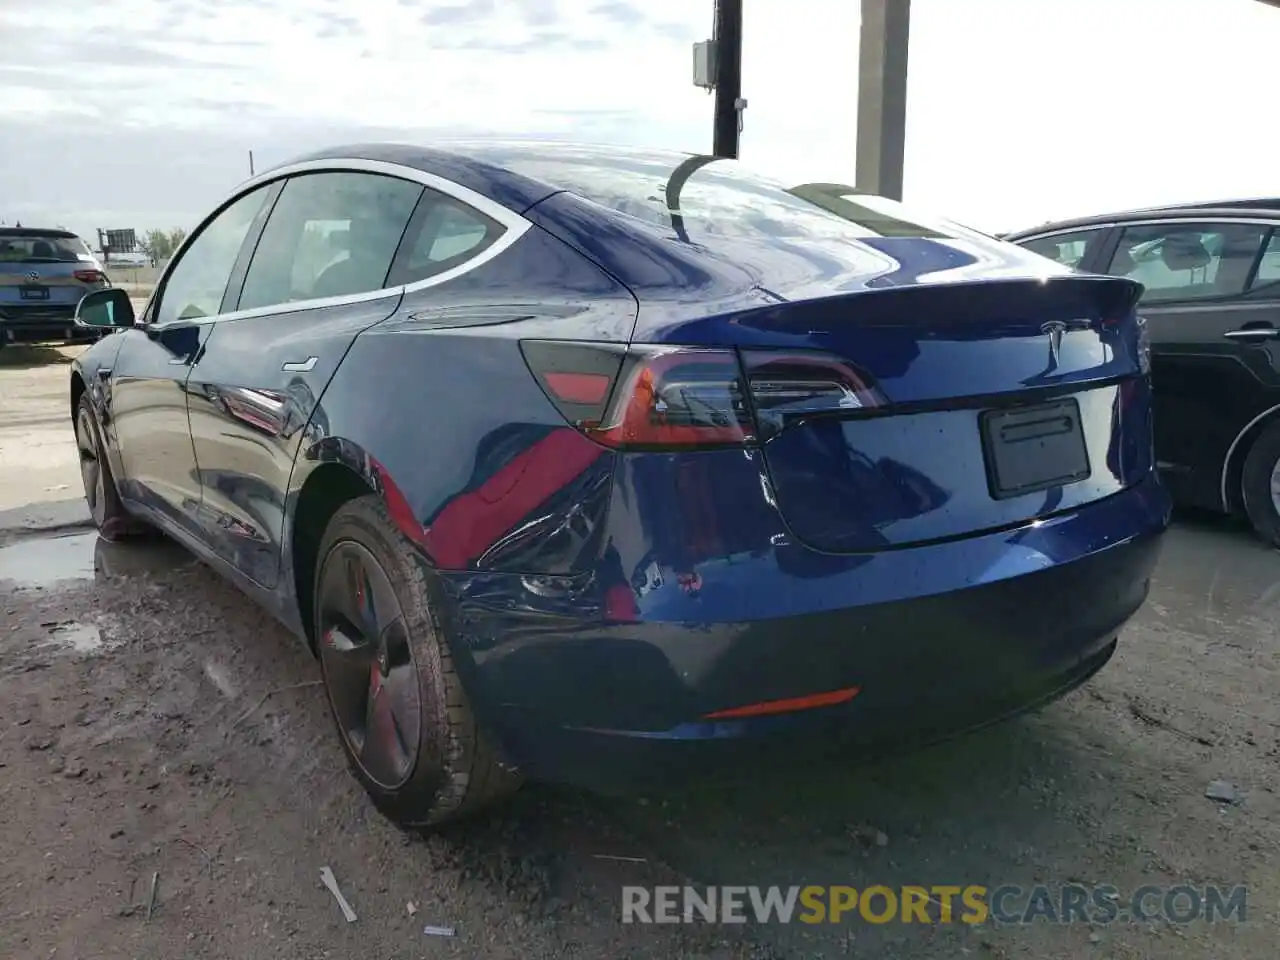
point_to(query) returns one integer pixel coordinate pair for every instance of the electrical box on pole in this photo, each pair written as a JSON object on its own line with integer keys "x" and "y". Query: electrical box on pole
{"x": 704, "y": 64}
{"x": 717, "y": 65}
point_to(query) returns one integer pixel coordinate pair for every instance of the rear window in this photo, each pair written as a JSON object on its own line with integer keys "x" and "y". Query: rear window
{"x": 37, "y": 248}
{"x": 720, "y": 198}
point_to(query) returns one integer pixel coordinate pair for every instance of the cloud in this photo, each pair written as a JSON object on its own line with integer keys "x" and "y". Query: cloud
{"x": 337, "y": 25}
{"x": 620, "y": 12}
{"x": 142, "y": 112}
{"x": 459, "y": 15}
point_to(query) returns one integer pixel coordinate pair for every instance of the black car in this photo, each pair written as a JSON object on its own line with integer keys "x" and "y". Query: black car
{"x": 1212, "y": 305}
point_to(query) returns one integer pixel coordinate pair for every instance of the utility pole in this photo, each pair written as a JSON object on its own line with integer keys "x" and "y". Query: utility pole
{"x": 882, "y": 96}
{"x": 727, "y": 59}
{"x": 251, "y": 163}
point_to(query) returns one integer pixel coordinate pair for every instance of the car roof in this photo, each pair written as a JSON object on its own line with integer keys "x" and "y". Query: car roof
{"x": 482, "y": 164}
{"x": 1252, "y": 208}
{"x": 36, "y": 232}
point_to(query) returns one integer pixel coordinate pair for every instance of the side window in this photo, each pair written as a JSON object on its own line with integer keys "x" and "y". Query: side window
{"x": 1068, "y": 249}
{"x": 329, "y": 235}
{"x": 1188, "y": 261}
{"x": 445, "y": 233}
{"x": 198, "y": 281}
{"x": 1269, "y": 266}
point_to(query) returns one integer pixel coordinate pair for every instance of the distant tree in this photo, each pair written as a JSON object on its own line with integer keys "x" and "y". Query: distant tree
{"x": 160, "y": 244}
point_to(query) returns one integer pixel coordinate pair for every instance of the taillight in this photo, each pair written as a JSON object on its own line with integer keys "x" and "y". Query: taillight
{"x": 90, "y": 276}
{"x": 789, "y": 386}
{"x": 672, "y": 398}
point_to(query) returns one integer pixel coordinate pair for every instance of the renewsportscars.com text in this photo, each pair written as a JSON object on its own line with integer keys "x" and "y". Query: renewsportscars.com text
{"x": 971, "y": 904}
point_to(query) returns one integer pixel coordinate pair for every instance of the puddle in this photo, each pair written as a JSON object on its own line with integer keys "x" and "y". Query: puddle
{"x": 48, "y": 561}
{"x": 79, "y": 637}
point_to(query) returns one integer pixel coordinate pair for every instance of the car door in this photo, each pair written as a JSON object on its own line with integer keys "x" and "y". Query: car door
{"x": 1211, "y": 376}
{"x": 316, "y": 279}
{"x": 148, "y": 414}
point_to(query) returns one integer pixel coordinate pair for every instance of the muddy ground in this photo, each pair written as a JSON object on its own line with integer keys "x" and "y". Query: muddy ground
{"x": 156, "y": 725}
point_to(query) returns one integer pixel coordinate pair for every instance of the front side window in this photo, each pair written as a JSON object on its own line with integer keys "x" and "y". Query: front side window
{"x": 329, "y": 235}
{"x": 198, "y": 281}
{"x": 1068, "y": 249}
{"x": 1188, "y": 261}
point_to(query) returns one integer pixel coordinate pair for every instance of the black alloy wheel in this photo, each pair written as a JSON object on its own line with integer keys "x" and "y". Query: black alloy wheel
{"x": 368, "y": 665}
{"x": 404, "y": 718}
{"x": 91, "y": 464}
{"x": 106, "y": 508}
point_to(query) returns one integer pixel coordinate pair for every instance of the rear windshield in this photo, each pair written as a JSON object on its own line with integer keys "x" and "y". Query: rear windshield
{"x": 720, "y": 198}
{"x": 42, "y": 249}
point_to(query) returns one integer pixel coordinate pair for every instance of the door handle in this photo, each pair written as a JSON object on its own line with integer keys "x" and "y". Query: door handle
{"x": 300, "y": 366}
{"x": 1252, "y": 334}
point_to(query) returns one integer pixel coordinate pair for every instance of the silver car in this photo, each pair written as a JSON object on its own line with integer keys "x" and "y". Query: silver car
{"x": 43, "y": 275}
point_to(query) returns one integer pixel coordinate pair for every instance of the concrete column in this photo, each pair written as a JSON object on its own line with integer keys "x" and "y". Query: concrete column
{"x": 882, "y": 96}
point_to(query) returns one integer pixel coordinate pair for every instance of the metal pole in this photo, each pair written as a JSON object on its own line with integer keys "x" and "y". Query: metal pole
{"x": 251, "y": 163}
{"x": 882, "y": 96}
{"x": 728, "y": 78}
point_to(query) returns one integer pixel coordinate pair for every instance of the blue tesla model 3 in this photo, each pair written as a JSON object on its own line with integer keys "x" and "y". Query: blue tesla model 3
{"x": 604, "y": 466}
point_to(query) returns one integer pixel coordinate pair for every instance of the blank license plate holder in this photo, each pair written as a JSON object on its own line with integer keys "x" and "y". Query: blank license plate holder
{"x": 1028, "y": 449}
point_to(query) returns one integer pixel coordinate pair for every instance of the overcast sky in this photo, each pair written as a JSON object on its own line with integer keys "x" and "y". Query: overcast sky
{"x": 141, "y": 113}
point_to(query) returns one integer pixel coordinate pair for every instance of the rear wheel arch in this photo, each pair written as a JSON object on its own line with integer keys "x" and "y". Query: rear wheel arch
{"x": 1232, "y": 490}
{"x": 326, "y": 489}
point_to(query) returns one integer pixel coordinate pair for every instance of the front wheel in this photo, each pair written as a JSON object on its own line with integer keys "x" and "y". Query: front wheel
{"x": 404, "y": 720}
{"x": 1260, "y": 485}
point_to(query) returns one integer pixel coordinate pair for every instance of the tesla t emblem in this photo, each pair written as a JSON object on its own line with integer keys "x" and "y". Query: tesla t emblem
{"x": 1055, "y": 329}
{"x": 33, "y": 276}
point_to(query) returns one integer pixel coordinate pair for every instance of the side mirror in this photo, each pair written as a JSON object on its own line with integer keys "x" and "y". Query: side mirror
{"x": 110, "y": 309}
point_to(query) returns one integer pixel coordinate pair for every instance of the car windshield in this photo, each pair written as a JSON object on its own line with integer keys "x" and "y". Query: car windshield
{"x": 42, "y": 248}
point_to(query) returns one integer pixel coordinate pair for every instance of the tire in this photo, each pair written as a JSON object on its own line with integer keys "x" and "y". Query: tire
{"x": 109, "y": 514}
{"x": 410, "y": 738}
{"x": 1260, "y": 491}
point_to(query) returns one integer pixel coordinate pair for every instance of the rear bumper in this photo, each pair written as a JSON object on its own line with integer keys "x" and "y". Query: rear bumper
{"x": 616, "y": 762}
{"x": 936, "y": 639}
{"x": 47, "y": 322}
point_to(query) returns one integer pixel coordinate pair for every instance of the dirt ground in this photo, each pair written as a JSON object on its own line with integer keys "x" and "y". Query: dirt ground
{"x": 37, "y": 448}
{"x": 154, "y": 727}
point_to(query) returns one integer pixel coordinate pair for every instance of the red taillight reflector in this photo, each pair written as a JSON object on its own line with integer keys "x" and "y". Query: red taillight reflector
{"x": 89, "y": 276}
{"x": 790, "y": 705}
{"x": 579, "y": 387}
